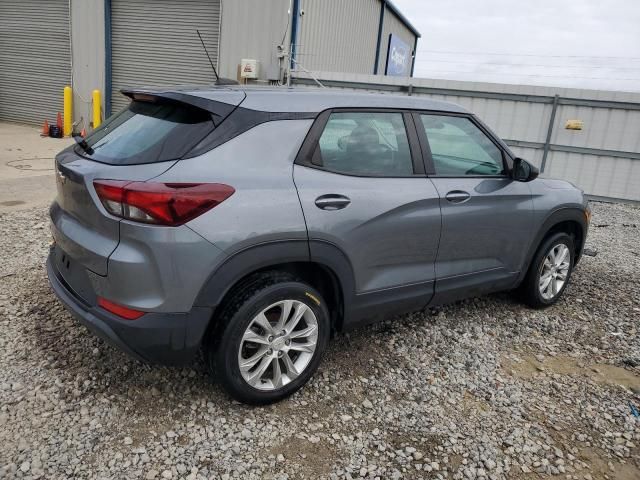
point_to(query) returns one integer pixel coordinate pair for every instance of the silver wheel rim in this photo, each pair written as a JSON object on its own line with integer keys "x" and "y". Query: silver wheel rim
{"x": 554, "y": 272}
{"x": 278, "y": 345}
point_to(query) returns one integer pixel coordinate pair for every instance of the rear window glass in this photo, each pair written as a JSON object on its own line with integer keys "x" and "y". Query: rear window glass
{"x": 146, "y": 133}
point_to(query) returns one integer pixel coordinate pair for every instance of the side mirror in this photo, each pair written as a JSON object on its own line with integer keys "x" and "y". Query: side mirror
{"x": 523, "y": 171}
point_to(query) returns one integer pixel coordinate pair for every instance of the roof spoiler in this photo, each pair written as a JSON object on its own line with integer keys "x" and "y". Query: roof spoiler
{"x": 219, "y": 109}
{"x": 157, "y": 96}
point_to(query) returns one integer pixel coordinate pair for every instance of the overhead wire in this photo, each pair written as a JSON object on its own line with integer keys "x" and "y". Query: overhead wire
{"x": 545, "y": 65}
{"x": 533, "y": 75}
{"x": 453, "y": 52}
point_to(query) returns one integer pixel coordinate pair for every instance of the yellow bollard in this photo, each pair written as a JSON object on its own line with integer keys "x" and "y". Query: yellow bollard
{"x": 68, "y": 111}
{"x": 96, "y": 108}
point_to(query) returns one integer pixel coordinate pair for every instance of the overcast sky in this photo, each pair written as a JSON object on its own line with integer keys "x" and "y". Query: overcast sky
{"x": 572, "y": 43}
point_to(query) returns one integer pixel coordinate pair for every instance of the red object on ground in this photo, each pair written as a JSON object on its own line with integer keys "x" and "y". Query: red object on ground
{"x": 45, "y": 129}
{"x": 59, "y": 121}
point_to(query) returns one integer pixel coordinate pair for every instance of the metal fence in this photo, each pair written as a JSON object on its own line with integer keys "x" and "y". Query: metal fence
{"x": 538, "y": 123}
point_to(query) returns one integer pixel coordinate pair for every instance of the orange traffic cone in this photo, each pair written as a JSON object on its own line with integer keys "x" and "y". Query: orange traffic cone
{"x": 45, "y": 129}
{"x": 83, "y": 133}
{"x": 59, "y": 121}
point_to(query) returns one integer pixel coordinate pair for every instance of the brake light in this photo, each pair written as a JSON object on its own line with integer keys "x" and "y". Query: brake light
{"x": 170, "y": 204}
{"x": 119, "y": 310}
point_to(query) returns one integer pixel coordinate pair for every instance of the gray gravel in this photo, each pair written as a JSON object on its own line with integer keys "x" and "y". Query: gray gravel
{"x": 481, "y": 389}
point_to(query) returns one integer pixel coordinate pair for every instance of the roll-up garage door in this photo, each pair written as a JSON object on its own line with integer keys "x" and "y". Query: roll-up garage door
{"x": 154, "y": 43}
{"x": 35, "y": 60}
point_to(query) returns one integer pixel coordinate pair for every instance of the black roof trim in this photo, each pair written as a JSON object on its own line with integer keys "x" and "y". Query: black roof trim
{"x": 243, "y": 119}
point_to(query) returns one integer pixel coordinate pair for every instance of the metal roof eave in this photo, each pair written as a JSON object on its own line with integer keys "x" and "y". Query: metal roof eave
{"x": 402, "y": 18}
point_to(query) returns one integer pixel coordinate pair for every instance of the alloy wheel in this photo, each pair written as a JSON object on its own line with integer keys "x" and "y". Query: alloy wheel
{"x": 554, "y": 272}
{"x": 278, "y": 345}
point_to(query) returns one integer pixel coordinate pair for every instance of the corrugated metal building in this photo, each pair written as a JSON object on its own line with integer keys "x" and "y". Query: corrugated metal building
{"x": 155, "y": 42}
{"x": 35, "y": 58}
{"x": 111, "y": 44}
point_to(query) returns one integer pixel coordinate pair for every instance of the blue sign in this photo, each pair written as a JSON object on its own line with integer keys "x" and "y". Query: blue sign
{"x": 398, "y": 57}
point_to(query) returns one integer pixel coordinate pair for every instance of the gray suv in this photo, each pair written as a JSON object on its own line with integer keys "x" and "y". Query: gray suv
{"x": 255, "y": 223}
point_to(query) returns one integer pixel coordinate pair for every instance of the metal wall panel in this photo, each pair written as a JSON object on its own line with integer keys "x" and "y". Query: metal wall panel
{"x": 154, "y": 43}
{"x": 87, "y": 37}
{"x": 333, "y": 35}
{"x": 252, "y": 29}
{"x": 338, "y": 35}
{"x": 532, "y": 155}
{"x": 392, "y": 24}
{"x": 34, "y": 59}
{"x": 598, "y": 175}
{"x": 605, "y": 160}
{"x": 513, "y": 120}
{"x": 605, "y": 128}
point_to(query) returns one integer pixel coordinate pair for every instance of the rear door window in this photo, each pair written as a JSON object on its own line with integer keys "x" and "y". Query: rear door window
{"x": 147, "y": 132}
{"x": 365, "y": 143}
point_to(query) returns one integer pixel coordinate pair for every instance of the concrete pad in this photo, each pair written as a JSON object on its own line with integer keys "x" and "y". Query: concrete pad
{"x": 26, "y": 166}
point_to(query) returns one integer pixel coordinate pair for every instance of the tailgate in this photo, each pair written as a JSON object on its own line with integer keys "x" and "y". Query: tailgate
{"x": 80, "y": 225}
{"x": 137, "y": 144}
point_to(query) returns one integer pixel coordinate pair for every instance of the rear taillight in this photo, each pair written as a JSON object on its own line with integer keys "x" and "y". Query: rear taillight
{"x": 169, "y": 204}
{"x": 119, "y": 310}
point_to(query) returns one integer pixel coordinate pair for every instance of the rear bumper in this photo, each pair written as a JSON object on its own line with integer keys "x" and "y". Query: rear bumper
{"x": 162, "y": 338}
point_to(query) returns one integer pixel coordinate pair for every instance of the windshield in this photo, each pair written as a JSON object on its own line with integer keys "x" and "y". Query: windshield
{"x": 146, "y": 133}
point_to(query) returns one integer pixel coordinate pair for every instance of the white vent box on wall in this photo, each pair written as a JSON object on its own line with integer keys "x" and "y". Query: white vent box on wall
{"x": 248, "y": 68}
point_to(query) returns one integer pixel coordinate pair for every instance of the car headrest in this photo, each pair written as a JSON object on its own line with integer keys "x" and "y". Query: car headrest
{"x": 362, "y": 138}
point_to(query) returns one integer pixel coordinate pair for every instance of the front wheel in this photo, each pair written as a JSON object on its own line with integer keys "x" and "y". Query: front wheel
{"x": 549, "y": 272}
{"x": 273, "y": 336}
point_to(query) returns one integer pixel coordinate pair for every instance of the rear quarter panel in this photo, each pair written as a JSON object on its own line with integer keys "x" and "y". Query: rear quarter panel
{"x": 259, "y": 165}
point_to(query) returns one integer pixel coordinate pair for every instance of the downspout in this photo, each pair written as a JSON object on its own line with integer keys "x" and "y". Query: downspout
{"x": 107, "y": 58}
{"x": 386, "y": 61}
{"x": 295, "y": 14}
{"x": 383, "y": 5}
{"x": 415, "y": 52}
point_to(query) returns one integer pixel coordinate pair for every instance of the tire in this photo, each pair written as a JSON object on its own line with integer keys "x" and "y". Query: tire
{"x": 532, "y": 290}
{"x": 243, "y": 336}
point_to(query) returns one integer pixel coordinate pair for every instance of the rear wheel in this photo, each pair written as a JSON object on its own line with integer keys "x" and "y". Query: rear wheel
{"x": 549, "y": 272}
{"x": 274, "y": 331}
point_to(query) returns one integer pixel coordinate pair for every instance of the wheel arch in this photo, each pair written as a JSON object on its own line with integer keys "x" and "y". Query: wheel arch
{"x": 570, "y": 220}
{"x": 330, "y": 273}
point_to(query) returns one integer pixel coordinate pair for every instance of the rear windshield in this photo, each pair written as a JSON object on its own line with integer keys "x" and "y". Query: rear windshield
{"x": 147, "y": 133}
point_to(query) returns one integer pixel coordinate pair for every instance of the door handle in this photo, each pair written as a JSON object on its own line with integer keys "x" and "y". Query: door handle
{"x": 332, "y": 202}
{"x": 457, "y": 196}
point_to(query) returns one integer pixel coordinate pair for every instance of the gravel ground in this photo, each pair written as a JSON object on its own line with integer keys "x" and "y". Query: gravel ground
{"x": 483, "y": 388}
